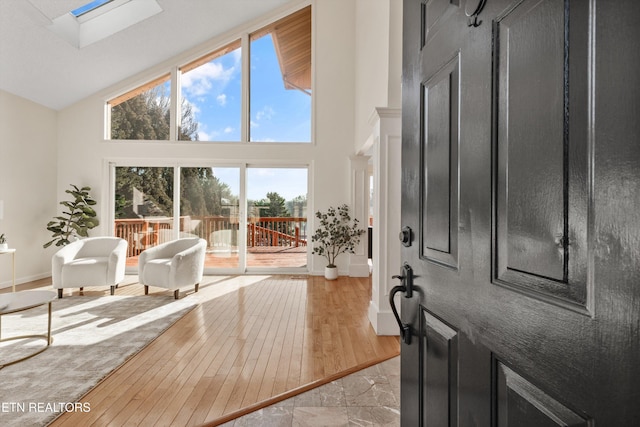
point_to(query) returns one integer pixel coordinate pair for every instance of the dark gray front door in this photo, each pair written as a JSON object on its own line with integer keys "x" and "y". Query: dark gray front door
{"x": 521, "y": 187}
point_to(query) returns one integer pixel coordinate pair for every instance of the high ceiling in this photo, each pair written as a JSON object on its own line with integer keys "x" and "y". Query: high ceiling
{"x": 37, "y": 64}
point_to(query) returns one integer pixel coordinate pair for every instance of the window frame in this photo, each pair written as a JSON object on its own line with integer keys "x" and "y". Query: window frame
{"x": 218, "y": 48}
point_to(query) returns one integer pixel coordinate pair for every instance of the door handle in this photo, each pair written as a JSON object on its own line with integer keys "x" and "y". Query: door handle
{"x": 406, "y": 277}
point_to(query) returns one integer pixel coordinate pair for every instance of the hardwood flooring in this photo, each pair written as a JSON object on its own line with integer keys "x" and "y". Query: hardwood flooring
{"x": 252, "y": 341}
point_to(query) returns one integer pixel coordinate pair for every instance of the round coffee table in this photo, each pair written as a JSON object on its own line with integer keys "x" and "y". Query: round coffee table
{"x": 21, "y": 301}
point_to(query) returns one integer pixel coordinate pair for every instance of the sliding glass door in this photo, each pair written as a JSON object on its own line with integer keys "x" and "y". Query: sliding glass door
{"x": 253, "y": 218}
{"x": 276, "y": 218}
{"x": 143, "y": 207}
{"x": 210, "y": 209}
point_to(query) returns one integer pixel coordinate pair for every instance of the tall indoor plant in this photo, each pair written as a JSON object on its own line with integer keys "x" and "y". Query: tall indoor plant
{"x": 76, "y": 220}
{"x": 337, "y": 233}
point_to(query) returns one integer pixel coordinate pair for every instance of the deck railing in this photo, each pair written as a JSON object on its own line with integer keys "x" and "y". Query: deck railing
{"x": 216, "y": 230}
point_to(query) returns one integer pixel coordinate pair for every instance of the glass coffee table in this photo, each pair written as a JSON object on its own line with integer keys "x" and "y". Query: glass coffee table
{"x": 20, "y": 301}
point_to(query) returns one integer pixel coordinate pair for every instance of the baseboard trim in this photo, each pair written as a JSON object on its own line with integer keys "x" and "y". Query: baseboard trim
{"x": 383, "y": 322}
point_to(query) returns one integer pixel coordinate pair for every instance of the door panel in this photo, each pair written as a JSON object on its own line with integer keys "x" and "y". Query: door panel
{"x": 440, "y": 373}
{"x": 521, "y": 186}
{"x": 433, "y": 13}
{"x": 531, "y": 78}
{"x": 520, "y": 403}
{"x": 439, "y": 231}
{"x": 541, "y": 149}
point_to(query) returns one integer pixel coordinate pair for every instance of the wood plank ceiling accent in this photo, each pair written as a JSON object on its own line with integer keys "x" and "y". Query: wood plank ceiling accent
{"x": 292, "y": 42}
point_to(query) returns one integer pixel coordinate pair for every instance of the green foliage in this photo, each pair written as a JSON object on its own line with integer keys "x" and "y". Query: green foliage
{"x": 147, "y": 117}
{"x": 76, "y": 220}
{"x": 297, "y": 205}
{"x": 336, "y": 234}
{"x": 201, "y": 193}
{"x": 276, "y": 205}
{"x": 3, "y": 239}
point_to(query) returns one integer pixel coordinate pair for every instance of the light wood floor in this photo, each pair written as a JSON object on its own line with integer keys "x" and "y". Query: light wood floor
{"x": 252, "y": 341}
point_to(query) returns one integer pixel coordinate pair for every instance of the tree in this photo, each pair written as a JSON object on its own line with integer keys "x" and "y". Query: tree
{"x": 298, "y": 206}
{"x": 276, "y": 206}
{"x": 154, "y": 185}
{"x": 147, "y": 116}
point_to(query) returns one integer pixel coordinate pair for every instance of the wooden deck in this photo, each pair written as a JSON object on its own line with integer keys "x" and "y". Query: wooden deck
{"x": 257, "y": 257}
{"x": 252, "y": 341}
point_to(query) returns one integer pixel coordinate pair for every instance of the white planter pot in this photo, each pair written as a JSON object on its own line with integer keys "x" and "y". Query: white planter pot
{"x": 4, "y": 246}
{"x": 331, "y": 273}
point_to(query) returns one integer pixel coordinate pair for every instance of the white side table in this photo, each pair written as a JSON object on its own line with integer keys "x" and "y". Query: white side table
{"x": 13, "y": 266}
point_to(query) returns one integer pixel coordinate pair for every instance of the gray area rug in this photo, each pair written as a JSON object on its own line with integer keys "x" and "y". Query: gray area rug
{"x": 91, "y": 337}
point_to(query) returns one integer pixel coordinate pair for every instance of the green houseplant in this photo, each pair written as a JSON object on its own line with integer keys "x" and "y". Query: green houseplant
{"x": 76, "y": 220}
{"x": 337, "y": 233}
{"x": 3, "y": 243}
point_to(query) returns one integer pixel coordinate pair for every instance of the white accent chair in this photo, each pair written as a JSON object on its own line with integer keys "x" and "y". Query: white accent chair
{"x": 94, "y": 261}
{"x": 173, "y": 265}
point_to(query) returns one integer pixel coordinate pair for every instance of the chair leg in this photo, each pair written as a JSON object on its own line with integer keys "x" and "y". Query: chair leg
{"x": 197, "y": 286}
{"x": 146, "y": 290}
{"x": 60, "y": 293}
{"x": 176, "y": 293}
{"x": 113, "y": 290}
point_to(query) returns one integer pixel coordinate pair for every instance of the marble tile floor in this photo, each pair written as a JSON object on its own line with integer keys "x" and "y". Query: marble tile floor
{"x": 370, "y": 397}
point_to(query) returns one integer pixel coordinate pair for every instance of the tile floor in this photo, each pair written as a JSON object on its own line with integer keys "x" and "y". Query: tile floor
{"x": 370, "y": 397}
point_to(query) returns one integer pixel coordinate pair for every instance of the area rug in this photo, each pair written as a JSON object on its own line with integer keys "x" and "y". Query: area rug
{"x": 92, "y": 336}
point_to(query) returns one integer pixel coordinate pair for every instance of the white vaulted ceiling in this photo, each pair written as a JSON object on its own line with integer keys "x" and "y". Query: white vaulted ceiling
{"x": 39, "y": 65}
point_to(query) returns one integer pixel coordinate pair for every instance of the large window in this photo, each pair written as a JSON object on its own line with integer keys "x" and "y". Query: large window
{"x": 211, "y": 89}
{"x": 281, "y": 81}
{"x": 143, "y": 203}
{"x": 210, "y": 209}
{"x": 211, "y": 202}
{"x": 212, "y": 104}
{"x": 144, "y": 113}
{"x": 276, "y": 217}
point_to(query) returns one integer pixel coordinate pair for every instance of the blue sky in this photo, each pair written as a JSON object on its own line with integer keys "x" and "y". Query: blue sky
{"x": 276, "y": 114}
{"x": 288, "y": 182}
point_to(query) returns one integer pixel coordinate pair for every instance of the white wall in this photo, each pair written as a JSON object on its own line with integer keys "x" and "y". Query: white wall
{"x": 378, "y": 102}
{"x": 378, "y": 61}
{"x": 27, "y": 185}
{"x": 83, "y": 154}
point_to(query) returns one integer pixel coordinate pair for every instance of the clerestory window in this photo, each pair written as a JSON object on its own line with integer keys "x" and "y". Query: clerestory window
{"x": 143, "y": 113}
{"x": 211, "y": 102}
{"x": 211, "y": 89}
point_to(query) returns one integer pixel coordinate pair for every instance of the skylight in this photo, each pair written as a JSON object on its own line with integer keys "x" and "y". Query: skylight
{"x": 89, "y": 7}
{"x": 100, "y": 19}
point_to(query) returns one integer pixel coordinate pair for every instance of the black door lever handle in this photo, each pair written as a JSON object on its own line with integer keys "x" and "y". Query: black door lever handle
{"x": 407, "y": 287}
{"x": 405, "y": 333}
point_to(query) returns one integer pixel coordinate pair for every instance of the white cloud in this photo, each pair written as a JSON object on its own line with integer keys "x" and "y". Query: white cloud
{"x": 194, "y": 107}
{"x": 228, "y": 129}
{"x": 203, "y": 136}
{"x": 222, "y": 99}
{"x": 253, "y": 124}
{"x": 265, "y": 114}
{"x": 199, "y": 81}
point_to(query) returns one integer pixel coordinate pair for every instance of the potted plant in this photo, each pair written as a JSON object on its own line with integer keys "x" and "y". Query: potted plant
{"x": 336, "y": 234}
{"x": 3, "y": 243}
{"x": 76, "y": 220}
